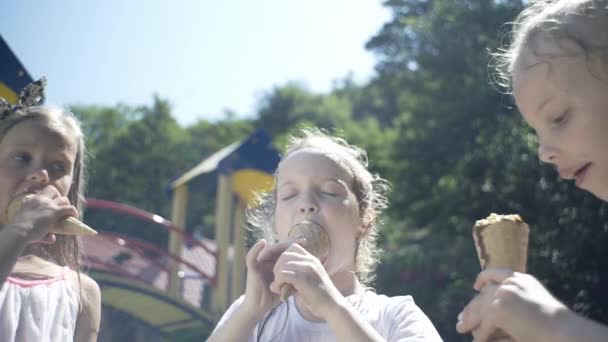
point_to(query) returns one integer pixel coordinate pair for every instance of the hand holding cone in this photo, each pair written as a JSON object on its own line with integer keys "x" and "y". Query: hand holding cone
{"x": 501, "y": 242}
{"x": 317, "y": 244}
{"x": 68, "y": 226}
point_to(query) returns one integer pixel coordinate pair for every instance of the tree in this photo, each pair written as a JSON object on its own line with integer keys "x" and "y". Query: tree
{"x": 462, "y": 152}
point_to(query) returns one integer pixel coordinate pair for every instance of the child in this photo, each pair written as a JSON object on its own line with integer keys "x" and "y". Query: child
{"x": 558, "y": 67}
{"x": 43, "y": 297}
{"x": 324, "y": 180}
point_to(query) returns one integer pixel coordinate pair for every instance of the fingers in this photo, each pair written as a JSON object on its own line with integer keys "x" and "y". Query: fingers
{"x": 68, "y": 211}
{"x": 469, "y": 318}
{"x": 253, "y": 254}
{"x": 289, "y": 274}
{"x": 293, "y": 263}
{"x": 274, "y": 251}
{"x": 50, "y": 192}
{"x": 475, "y": 312}
{"x": 492, "y": 276}
{"x": 485, "y": 330}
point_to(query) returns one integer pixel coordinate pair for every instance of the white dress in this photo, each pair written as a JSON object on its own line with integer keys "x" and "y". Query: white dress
{"x": 394, "y": 318}
{"x": 38, "y": 310}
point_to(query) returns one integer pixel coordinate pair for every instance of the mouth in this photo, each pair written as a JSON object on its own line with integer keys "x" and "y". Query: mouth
{"x": 581, "y": 174}
{"x": 308, "y": 222}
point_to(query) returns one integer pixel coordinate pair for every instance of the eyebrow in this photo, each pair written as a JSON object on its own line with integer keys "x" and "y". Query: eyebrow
{"x": 21, "y": 144}
{"x": 280, "y": 185}
{"x": 332, "y": 179}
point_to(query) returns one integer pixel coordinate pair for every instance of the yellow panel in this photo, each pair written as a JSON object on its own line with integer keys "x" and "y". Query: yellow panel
{"x": 147, "y": 308}
{"x": 8, "y": 94}
{"x": 248, "y": 182}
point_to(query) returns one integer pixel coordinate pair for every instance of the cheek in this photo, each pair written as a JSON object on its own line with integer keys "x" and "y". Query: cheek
{"x": 64, "y": 185}
{"x": 281, "y": 221}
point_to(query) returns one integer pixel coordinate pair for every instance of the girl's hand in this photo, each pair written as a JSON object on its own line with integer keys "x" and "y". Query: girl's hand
{"x": 40, "y": 212}
{"x": 261, "y": 260}
{"x": 515, "y": 302}
{"x": 307, "y": 275}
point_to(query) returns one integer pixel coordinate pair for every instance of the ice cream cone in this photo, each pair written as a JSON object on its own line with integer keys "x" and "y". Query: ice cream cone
{"x": 317, "y": 244}
{"x": 68, "y": 226}
{"x": 502, "y": 242}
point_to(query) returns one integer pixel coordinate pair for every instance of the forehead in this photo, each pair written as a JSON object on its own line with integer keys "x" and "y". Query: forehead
{"x": 312, "y": 162}
{"x": 548, "y": 69}
{"x": 54, "y": 135}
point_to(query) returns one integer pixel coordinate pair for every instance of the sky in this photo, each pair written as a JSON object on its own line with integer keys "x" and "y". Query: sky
{"x": 204, "y": 57}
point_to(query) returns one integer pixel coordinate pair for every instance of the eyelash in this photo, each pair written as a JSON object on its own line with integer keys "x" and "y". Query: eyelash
{"x": 289, "y": 196}
{"x": 561, "y": 119}
{"x": 285, "y": 198}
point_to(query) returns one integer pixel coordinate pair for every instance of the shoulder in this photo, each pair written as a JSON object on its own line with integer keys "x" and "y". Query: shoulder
{"x": 386, "y": 303}
{"x": 89, "y": 317}
{"x": 401, "y": 317}
{"x": 231, "y": 309}
{"x": 89, "y": 291}
{"x": 403, "y": 307}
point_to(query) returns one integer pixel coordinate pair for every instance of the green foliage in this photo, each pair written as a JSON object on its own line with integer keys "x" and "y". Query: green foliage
{"x": 453, "y": 148}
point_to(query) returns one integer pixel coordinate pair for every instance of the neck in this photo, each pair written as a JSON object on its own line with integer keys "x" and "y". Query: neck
{"x": 33, "y": 267}
{"x": 347, "y": 283}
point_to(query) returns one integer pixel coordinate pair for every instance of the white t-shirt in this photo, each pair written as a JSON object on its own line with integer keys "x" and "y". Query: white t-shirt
{"x": 397, "y": 319}
{"x": 38, "y": 310}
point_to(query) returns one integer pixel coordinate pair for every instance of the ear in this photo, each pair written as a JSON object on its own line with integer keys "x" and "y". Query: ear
{"x": 48, "y": 239}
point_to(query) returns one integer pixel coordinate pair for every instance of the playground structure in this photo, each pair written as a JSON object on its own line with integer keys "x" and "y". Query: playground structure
{"x": 192, "y": 282}
{"x": 134, "y": 275}
{"x": 243, "y": 170}
{"x": 13, "y": 76}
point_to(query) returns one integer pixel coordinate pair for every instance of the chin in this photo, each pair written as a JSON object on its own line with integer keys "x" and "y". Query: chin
{"x": 603, "y": 196}
{"x": 601, "y": 193}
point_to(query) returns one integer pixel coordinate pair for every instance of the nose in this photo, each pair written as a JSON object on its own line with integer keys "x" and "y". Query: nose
{"x": 308, "y": 204}
{"x": 547, "y": 153}
{"x": 40, "y": 175}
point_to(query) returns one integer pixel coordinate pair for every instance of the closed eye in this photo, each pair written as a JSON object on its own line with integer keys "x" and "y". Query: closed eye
{"x": 561, "y": 119}
{"x": 286, "y": 195}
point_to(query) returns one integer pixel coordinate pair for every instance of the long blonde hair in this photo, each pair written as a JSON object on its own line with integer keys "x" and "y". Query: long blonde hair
{"x": 66, "y": 250}
{"x": 580, "y": 21}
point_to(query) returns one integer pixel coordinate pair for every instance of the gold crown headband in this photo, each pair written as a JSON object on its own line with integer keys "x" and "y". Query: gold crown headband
{"x": 31, "y": 95}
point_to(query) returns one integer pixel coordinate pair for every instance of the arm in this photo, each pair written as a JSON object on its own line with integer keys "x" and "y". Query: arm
{"x": 87, "y": 323}
{"x": 309, "y": 278}
{"x": 236, "y": 324}
{"x": 520, "y": 305}
{"x": 348, "y": 325}
{"x": 577, "y": 328}
{"x": 12, "y": 244}
{"x": 239, "y": 321}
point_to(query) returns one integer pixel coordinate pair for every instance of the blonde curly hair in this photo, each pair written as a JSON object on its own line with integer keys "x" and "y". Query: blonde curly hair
{"x": 369, "y": 189}
{"x": 583, "y": 22}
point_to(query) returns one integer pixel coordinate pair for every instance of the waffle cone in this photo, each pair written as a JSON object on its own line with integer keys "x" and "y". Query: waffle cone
{"x": 317, "y": 244}
{"x": 68, "y": 226}
{"x": 502, "y": 242}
